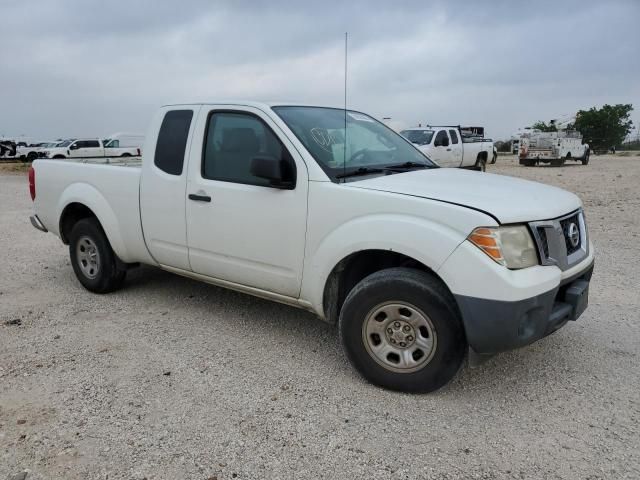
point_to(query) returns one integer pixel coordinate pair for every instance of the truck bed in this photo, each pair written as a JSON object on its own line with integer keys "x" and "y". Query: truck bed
{"x": 108, "y": 186}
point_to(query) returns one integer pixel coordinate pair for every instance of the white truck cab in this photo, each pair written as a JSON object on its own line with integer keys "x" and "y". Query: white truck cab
{"x": 417, "y": 265}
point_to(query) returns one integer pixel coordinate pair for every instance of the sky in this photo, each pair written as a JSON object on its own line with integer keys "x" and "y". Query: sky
{"x": 72, "y": 68}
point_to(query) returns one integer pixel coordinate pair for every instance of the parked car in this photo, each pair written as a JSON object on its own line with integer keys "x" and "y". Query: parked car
{"x": 88, "y": 148}
{"x": 8, "y": 149}
{"x": 449, "y": 147}
{"x": 120, "y": 144}
{"x": 28, "y": 152}
{"x": 417, "y": 265}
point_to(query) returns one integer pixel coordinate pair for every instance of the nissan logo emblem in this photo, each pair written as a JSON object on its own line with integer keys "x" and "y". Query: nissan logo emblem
{"x": 574, "y": 235}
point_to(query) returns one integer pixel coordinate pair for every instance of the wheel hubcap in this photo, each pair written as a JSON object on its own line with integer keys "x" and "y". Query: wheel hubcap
{"x": 88, "y": 257}
{"x": 399, "y": 337}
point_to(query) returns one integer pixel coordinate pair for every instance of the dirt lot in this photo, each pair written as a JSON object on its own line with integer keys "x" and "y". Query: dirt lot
{"x": 170, "y": 378}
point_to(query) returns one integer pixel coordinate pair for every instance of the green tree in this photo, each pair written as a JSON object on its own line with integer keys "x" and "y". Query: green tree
{"x": 545, "y": 127}
{"x": 604, "y": 127}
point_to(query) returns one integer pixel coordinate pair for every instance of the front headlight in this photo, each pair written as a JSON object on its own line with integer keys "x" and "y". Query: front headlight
{"x": 510, "y": 246}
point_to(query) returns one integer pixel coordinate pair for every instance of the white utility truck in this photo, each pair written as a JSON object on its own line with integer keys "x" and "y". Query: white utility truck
{"x": 552, "y": 147}
{"x": 89, "y": 148}
{"x": 417, "y": 265}
{"x": 451, "y": 147}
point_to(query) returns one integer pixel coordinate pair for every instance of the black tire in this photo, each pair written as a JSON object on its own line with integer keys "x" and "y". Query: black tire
{"x": 32, "y": 156}
{"x": 585, "y": 159}
{"x": 59, "y": 157}
{"x": 125, "y": 155}
{"x": 417, "y": 289}
{"x": 529, "y": 163}
{"x": 108, "y": 275}
{"x": 481, "y": 162}
{"x": 494, "y": 158}
{"x": 558, "y": 163}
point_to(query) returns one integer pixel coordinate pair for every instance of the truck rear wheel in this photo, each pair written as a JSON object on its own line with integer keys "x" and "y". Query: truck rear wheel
{"x": 481, "y": 163}
{"x": 401, "y": 330}
{"x": 92, "y": 258}
{"x": 585, "y": 159}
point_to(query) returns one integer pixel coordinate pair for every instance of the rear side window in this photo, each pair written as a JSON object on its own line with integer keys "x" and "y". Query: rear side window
{"x": 454, "y": 136}
{"x": 172, "y": 141}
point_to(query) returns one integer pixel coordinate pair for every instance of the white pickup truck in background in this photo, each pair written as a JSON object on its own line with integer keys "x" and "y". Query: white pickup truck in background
{"x": 89, "y": 148}
{"x": 417, "y": 264}
{"x": 448, "y": 146}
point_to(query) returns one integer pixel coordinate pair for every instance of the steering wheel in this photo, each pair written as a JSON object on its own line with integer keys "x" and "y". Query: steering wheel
{"x": 357, "y": 154}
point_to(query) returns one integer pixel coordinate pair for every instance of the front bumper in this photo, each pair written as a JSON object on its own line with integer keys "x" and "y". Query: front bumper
{"x": 494, "y": 326}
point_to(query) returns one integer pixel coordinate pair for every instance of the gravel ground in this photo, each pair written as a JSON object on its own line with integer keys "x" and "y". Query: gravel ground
{"x": 171, "y": 378}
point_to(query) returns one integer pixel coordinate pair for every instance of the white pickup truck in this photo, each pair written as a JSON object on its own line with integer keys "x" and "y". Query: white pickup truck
{"x": 89, "y": 148}
{"x": 449, "y": 147}
{"x": 417, "y": 265}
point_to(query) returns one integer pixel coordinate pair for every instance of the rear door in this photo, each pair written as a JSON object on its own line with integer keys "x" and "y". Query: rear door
{"x": 86, "y": 149}
{"x": 455, "y": 147}
{"x": 240, "y": 228}
{"x": 163, "y": 186}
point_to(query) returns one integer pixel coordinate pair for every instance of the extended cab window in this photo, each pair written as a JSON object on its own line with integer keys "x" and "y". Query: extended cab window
{"x": 172, "y": 141}
{"x": 91, "y": 144}
{"x": 233, "y": 140}
{"x": 454, "y": 136}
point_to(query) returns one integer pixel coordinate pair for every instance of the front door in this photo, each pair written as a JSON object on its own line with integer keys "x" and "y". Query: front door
{"x": 441, "y": 151}
{"x": 240, "y": 228}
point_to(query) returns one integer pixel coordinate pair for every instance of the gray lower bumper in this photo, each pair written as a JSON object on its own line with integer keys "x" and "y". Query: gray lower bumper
{"x": 494, "y": 326}
{"x": 35, "y": 221}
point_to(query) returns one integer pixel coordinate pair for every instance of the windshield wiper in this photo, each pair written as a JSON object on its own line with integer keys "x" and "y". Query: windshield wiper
{"x": 406, "y": 165}
{"x": 360, "y": 171}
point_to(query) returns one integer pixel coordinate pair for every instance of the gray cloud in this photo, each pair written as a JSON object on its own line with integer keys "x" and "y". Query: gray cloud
{"x": 73, "y": 67}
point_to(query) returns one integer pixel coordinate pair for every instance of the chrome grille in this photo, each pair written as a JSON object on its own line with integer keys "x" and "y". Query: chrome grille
{"x": 565, "y": 223}
{"x": 554, "y": 243}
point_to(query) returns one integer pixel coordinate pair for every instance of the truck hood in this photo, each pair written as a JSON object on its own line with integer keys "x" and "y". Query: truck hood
{"x": 508, "y": 199}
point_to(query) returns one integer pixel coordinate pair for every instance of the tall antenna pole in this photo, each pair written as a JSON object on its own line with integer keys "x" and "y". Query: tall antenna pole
{"x": 344, "y": 156}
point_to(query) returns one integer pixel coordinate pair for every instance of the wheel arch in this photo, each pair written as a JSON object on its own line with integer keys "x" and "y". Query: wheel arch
{"x": 353, "y": 268}
{"x": 80, "y": 201}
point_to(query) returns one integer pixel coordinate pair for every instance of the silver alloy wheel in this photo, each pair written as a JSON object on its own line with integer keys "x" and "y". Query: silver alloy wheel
{"x": 399, "y": 337}
{"x": 88, "y": 257}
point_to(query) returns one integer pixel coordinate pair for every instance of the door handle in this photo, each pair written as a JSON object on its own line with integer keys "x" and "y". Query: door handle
{"x": 448, "y": 149}
{"x": 199, "y": 198}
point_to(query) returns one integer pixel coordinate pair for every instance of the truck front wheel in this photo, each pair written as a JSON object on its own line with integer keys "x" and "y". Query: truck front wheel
{"x": 92, "y": 258}
{"x": 401, "y": 330}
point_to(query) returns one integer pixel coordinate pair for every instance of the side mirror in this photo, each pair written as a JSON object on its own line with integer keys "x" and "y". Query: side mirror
{"x": 270, "y": 168}
{"x": 75, "y": 146}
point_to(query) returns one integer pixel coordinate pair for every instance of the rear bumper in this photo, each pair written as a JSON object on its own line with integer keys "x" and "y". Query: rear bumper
{"x": 494, "y": 326}
{"x": 35, "y": 221}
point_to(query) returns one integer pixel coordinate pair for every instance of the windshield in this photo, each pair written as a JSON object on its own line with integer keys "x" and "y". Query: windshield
{"x": 369, "y": 143}
{"x": 419, "y": 137}
{"x": 66, "y": 143}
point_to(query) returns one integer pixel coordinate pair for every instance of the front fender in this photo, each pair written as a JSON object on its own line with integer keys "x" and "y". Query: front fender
{"x": 91, "y": 197}
{"x": 421, "y": 239}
